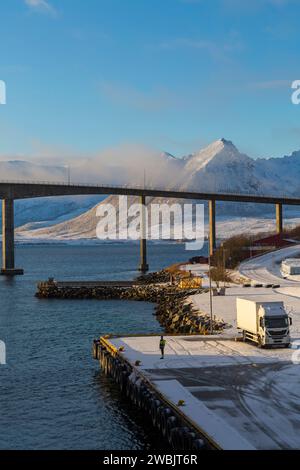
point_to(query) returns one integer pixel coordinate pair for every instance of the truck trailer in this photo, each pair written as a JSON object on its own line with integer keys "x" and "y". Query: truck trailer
{"x": 290, "y": 267}
{"x": 265, "y": 323}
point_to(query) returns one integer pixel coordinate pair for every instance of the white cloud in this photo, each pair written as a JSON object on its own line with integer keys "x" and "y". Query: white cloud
{"x": 42, "y": 6}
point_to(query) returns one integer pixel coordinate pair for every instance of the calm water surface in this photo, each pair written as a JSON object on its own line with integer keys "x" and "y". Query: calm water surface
{"x": 52, "y": 393}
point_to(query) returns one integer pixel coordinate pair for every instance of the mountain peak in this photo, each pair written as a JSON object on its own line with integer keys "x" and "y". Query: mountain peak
{"x": 218, "y": 146}
{"x": 167, "y": 155}
{"x": 228, "y": 143}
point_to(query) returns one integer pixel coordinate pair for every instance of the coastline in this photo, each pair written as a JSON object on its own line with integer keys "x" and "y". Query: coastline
{"x": 173, "y": 309}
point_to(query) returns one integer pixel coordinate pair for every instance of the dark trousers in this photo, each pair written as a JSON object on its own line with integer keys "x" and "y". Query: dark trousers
{"x": 162, "y": 351}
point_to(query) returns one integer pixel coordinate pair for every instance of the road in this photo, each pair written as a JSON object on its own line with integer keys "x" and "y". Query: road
{"x": 266, "y": 268}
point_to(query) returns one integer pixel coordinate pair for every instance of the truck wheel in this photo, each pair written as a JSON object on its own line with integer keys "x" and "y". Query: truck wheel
{"x": 259, "y": 343}
{"x": 287, "y": 345}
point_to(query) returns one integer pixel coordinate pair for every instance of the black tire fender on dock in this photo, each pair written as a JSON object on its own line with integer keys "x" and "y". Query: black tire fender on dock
{"x": 109, "y": 365}
{"x": 148, "y": 398}
{"x": 191, "y": 436}
{"x": 128, "y": 389}
{"x": 145, "y": 396}
{"x": 166, "y": 413}
{"x": 171, "y": 423}
{"x": 175, "y": 438}
{"x": 159, "y": 414}
{"x": 131, "y": 381}
{"x": 184, "y": 439}
{"x": 104, "y": 361}
{"x": 102, "y": 349}
{"x": 123, "y": 381}
{"x": 198, "y": 444}
{"x": 141, "y": 390}
{"x": 114, "y": 369}
{"x": 119, "y": 373}
{"x": 136, "y": 391}
{"x": 154, "y": 411}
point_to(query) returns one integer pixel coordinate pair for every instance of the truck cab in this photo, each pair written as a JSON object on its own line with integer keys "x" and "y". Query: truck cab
{"x": 274, "y": 325}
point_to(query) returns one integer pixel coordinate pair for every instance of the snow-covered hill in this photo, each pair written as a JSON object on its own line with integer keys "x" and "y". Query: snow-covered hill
{"x": 41, "y": 212}
{"x": 218, "y": 167}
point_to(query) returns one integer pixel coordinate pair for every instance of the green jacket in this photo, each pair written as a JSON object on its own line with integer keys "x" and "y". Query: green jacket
{"x": 162, "y": 343}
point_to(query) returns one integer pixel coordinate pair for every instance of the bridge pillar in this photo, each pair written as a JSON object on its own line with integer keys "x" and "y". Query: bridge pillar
{"x": 143, "y": 241}
{"x": 279, "y": 222}
{"x": 8, "y": 239}
{"x": 212, "y": 226}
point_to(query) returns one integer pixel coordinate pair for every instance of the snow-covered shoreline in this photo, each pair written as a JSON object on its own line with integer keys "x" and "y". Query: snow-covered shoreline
{"x": 226, "y": 227}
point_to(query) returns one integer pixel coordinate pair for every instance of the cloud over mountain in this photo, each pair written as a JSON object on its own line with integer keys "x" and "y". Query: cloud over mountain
{"x": 219, "y": 167}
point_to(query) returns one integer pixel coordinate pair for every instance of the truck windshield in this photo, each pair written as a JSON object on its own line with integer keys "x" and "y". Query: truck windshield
{"x": 276, "y": 322}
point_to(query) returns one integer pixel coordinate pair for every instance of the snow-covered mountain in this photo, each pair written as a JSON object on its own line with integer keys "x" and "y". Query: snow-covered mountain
{"x": 218, "y": 167}
{"x": 16, "y": 170}
{"x": 43, "y": 211}
{"x": 221, "y": 167}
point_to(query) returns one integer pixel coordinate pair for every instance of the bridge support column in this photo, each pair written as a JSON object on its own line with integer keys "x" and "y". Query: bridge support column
{"x": 212, "y": 226}
{"x": 8, "y": 239}
{"x": 143, "y": 241}
{"x": 279, "y": 222}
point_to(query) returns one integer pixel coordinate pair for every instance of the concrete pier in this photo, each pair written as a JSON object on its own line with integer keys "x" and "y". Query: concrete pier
{"x": 8, "y": 242}
{"x": 144, "y": 267}
{"x": 279, "y": 222}
{"x": 213, "y": 385}
{"x": 212, "y": 226}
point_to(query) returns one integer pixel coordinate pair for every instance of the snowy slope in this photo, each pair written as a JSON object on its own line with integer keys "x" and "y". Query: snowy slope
{"x": 44, "y": 211}
{"x": 220, "y": 167}
{"x": 51, "y": 210}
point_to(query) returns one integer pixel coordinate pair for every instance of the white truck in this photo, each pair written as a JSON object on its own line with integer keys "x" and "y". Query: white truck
{"x": 265, "y": 323}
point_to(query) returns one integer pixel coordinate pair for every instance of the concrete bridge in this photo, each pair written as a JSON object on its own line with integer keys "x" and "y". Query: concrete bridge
{"x": 12, "y": 190}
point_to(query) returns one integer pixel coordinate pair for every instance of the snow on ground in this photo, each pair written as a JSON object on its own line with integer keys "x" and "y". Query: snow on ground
{"x": 217, "y": 428}
{"x": 72, "y": 230}
{"x": 227, "y": 227}
{"x": 263, "y": 269}
{"x": 196, "y": 351}
{"x": 241, "y": 396}
{"x": 224, "y": 307}
{"x": 266, "y": 268}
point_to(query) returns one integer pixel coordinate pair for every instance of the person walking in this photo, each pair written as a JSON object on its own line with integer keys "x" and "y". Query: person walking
{"x": 162, "y": 345}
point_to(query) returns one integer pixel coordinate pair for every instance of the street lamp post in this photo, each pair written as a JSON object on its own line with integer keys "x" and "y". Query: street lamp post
{"x": 224, "y": 263}
{"x": 210, "y": 298}
{"x": 67, "y": 167}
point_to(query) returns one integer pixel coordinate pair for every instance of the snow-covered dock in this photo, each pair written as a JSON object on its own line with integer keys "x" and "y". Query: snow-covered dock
{"x": 235, "y": 395}
{"x": 240, "y": 396}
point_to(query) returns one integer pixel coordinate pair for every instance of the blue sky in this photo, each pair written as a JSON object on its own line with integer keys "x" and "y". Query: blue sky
{"x": 86, "y": 75}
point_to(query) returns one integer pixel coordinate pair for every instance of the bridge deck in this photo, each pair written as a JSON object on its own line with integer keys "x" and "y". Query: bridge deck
{"x": 24, "y": 190}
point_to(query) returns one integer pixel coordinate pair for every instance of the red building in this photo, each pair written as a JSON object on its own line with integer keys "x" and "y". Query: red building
{"x": 274, "y": 241}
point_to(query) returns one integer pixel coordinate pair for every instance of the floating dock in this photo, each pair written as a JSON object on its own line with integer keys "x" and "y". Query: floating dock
{"x": 209, "y": 392}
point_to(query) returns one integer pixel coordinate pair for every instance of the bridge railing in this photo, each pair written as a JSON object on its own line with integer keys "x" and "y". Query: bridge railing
{"x": 219, "y": 191}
